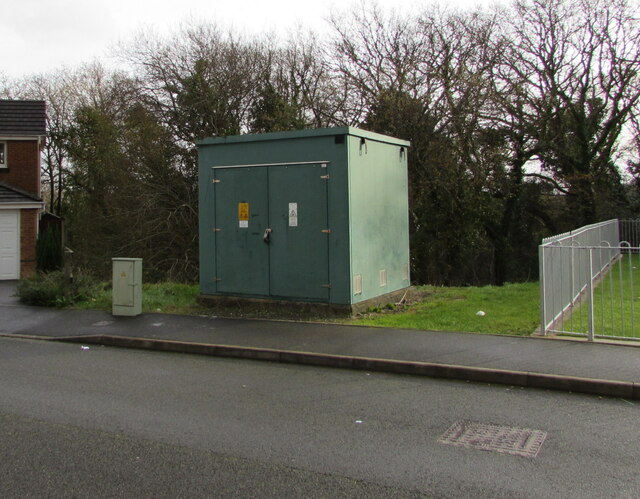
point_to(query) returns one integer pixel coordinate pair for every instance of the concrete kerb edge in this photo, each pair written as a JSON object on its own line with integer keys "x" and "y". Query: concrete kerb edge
{"x": 592, "y": 386}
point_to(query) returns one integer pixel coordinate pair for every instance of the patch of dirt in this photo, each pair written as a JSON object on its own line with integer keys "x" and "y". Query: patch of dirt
{"x": 412, "y": 296}
{"x": 306, "y": 312}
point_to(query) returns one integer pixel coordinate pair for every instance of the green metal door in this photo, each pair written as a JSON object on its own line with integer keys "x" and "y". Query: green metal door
{"x": 299, "y": 242}
{"x": 271, "y": 231}
{"x": 241, "y": 217}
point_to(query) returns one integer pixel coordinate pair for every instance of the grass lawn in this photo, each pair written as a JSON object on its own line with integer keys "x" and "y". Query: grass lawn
{"x": 509, "y": 309}
{"x": 169, "y": 298}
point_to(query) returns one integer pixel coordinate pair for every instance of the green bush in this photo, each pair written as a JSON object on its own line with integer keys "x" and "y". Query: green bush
{"x": 53, "y": 289}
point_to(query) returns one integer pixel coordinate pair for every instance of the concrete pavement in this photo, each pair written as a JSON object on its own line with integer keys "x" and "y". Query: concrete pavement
{"x": 578, "y": 366}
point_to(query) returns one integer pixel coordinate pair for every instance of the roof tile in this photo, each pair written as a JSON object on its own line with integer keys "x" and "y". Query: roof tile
{"x": 13, "y": 195}
{"x": 23, "y": 117}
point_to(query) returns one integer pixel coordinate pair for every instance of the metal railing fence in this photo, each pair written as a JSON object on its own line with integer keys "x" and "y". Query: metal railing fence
{"x": 630, "y": 233}
{"x": 579, "y": 293}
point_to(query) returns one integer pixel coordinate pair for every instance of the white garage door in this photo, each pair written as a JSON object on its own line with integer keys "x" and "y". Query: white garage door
{"x": 9, "y": 244}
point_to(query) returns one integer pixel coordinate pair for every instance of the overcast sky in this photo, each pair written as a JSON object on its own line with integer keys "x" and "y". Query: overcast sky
{"x": 41, "y": 35}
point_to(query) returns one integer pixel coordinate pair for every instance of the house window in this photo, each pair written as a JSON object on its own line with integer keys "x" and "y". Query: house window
{"x": 3, "y": 154}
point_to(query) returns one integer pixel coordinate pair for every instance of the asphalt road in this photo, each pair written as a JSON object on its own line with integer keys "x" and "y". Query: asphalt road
{"x": 119, "y": 423}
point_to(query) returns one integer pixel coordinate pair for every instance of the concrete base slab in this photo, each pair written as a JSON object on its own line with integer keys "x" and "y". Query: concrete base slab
{"x": 301, "y": 308}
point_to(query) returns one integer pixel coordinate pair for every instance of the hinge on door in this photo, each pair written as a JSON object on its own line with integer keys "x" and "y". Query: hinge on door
{"x": 326, "y": 285}
{"x": 216, "y": 229}
{"x": 325, "y": 177}
{"x": 215, "y": 181}
{"x": 326, "y": 231}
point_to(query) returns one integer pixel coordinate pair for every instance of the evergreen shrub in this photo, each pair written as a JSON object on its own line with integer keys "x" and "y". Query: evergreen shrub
{"x": 54, "y": 289}
{"x": 49, "y": 250}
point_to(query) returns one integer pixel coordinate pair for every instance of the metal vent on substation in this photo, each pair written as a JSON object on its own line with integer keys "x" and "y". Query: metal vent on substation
{"x": 383, "y": 277}
{"x": 357, "y": 284}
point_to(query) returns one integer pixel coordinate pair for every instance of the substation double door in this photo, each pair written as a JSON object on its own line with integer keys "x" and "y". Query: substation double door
{"x": 272, "y": 237}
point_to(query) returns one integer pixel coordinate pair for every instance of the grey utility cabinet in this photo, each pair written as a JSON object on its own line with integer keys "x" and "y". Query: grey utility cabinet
{"x": 127, "y": 286}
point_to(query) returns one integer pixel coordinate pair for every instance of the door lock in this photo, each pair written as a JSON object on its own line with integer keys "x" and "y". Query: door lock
{"x": 265, "y": 237}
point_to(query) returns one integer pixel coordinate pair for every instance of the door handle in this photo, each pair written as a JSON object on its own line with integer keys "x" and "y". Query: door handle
{"x": 266, "y": 236}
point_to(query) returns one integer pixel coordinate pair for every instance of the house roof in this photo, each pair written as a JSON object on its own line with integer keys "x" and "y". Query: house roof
{"x": 11, "y": 195}
{"x": 23, "y": 117}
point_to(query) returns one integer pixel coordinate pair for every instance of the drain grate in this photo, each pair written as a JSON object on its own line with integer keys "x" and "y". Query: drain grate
{"x": 505, "y": 439}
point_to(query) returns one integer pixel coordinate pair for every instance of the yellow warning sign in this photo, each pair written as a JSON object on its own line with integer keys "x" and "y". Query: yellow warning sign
{"x": 243, "y": 211}
{"x": 243, "y": 215}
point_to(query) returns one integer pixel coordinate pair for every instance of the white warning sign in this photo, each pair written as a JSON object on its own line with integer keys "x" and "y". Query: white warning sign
{"x": 293, "y": 214}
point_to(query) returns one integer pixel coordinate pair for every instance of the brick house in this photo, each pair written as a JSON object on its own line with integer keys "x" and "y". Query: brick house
{"x": 22, "y": 133}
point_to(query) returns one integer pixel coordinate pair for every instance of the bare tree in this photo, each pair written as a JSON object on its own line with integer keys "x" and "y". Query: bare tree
{"x": 374, "y": 53}
{"x": 60, "y": 106}
{"x": 305, "y": 64}
{"x": 201, "y": 81}
{"x": 572, "y": 72}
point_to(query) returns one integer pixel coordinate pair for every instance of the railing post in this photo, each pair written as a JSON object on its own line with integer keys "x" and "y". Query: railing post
{"x": 590, "y": 297}
{"x": 543, "y": 306}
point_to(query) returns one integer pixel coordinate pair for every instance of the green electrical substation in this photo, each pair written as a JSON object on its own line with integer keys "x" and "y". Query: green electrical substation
{"x": 311, "y": 216}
